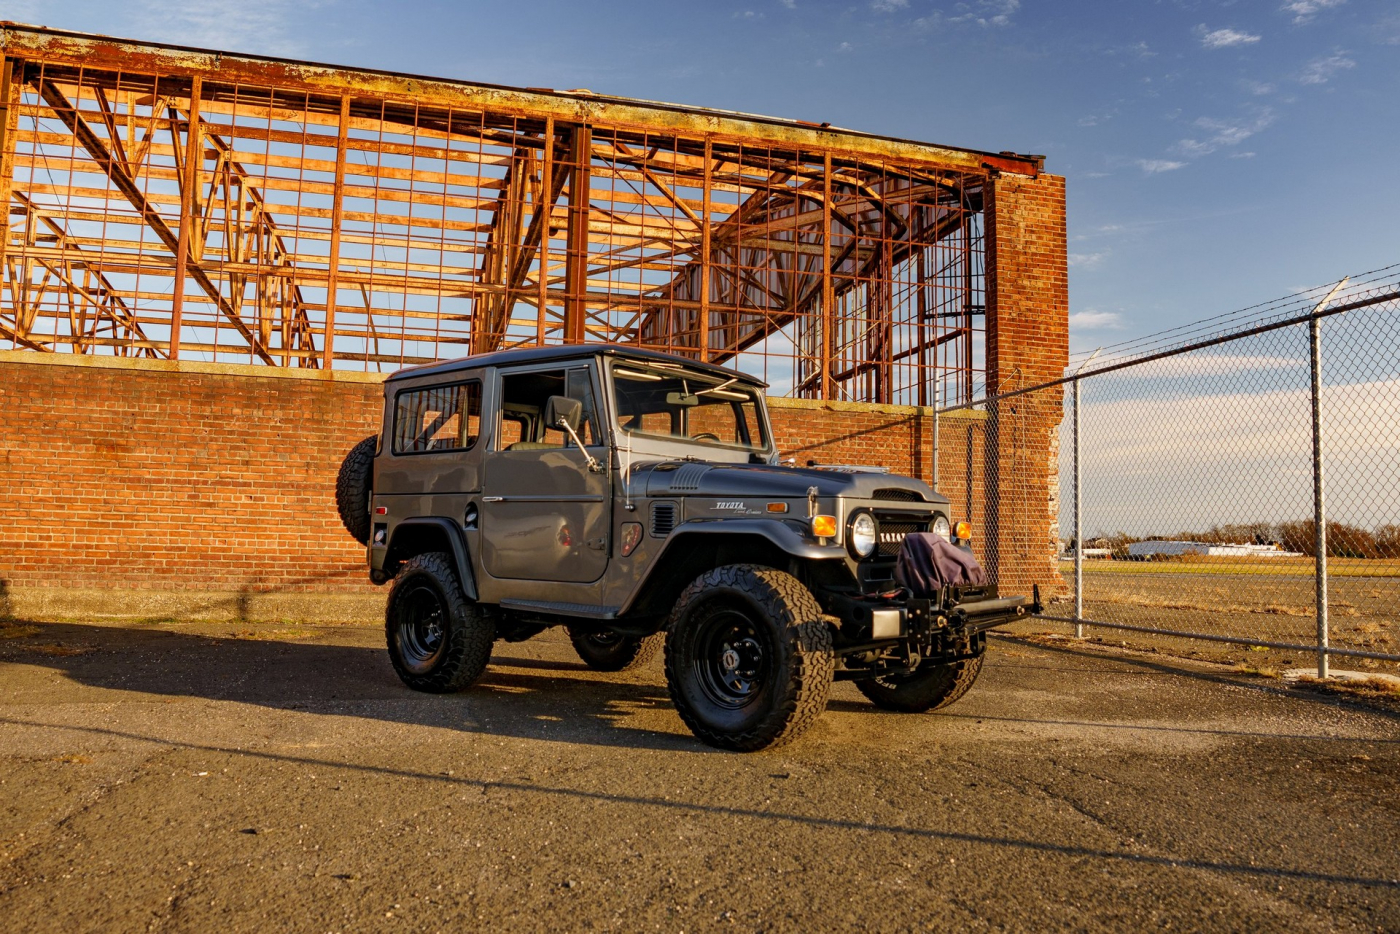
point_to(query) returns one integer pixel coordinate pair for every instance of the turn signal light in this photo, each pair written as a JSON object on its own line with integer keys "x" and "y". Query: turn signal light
{"x": 631, "y": 537}
{"x": 824, "y": 526}
{"x": 963, "y": 530}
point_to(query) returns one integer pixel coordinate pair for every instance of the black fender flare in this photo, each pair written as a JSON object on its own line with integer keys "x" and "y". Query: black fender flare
{"x": 457, "y": 544}
{"x": 774, "y": 531}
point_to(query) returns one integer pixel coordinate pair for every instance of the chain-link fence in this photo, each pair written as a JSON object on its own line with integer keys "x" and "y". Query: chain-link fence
{"x": 1226, "y": 488}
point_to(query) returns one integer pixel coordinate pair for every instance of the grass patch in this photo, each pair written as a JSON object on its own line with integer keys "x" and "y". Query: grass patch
{"x": 16, "y": 630}
{"x": 1253, "y": 672}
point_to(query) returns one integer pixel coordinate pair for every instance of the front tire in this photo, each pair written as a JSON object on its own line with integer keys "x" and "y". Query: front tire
{"x": 748, "y": 658}
{"x": 931, "y": 686}
{"x": 438, "y": 642}
{"x": 611, "y": 651}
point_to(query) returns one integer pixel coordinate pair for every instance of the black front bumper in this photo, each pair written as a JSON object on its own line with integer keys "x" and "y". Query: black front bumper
{"x": 869, "y": 621}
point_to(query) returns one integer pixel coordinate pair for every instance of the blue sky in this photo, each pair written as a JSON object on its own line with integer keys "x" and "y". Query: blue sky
{"x": 1217, "y": 153}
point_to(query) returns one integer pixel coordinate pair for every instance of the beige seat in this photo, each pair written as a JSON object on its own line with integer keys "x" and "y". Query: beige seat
{"x": 533, "y": 446}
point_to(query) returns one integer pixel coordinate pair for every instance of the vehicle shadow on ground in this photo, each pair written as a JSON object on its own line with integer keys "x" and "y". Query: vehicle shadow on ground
{"x": 517, "y": 696}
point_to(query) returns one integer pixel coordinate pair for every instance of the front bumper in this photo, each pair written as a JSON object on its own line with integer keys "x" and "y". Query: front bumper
{"x": 956, "y": 611}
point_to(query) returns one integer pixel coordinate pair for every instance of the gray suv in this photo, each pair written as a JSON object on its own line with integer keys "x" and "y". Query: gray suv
{"x": 637, "y": 499}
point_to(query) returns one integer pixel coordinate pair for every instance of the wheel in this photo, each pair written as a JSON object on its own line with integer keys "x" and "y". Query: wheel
{"x": 438, "y": 642}
{"x": 352, "y": 486}
{"x": 611, "y": 651}
{"x": 932, "y": 685}
{"x": 748, "y": 657}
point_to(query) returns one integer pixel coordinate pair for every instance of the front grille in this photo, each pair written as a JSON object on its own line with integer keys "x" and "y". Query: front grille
{"x": 894, "y": 493}
{"x": 892, "y": 532}
{"x": 663, "y": 519}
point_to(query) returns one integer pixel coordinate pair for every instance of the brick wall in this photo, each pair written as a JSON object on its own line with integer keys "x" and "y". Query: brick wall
{"x": 1027, "y": 344}
{"x": 160, "y": 489}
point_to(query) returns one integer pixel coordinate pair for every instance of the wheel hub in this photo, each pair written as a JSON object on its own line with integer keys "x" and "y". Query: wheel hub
{"x": 732, "y": 662}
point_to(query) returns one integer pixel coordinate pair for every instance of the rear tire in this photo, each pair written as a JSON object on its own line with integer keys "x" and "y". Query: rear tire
{"x": 610, "y": 651}
{"x": 438, "y": 641}
{"x": 931, "y": 686}
{"x": 748, "y": 658}
{"x": 352, "y": 489}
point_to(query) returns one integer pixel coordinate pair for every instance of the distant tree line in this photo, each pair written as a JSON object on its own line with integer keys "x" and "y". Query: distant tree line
{"x": 1343, "y": 541}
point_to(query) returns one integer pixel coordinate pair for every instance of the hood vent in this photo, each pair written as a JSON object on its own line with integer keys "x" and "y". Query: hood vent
{"x": 663, "y": 519}
{"x": 893, "y": 493}
{"x": 687, "y": 478}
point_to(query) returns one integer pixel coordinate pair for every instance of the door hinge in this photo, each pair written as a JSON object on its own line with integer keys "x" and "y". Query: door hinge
{"x": 598, "y": 544}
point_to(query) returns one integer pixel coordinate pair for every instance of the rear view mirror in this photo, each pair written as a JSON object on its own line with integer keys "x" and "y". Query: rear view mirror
{"x": 563, "y": 413}
{"x": 682, "y": 399}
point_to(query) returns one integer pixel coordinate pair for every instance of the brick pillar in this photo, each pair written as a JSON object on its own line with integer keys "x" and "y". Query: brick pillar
{"x": 1027, "y": 343}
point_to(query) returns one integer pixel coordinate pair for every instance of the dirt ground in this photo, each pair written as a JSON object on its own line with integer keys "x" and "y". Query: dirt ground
{"x": 202, "y": 777}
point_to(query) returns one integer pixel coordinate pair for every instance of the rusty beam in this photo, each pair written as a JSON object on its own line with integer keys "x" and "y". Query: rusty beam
{"x": 337, "y": 221}
{"x": 82, "y": 50}
{"x": 576, "y": 258}
{"x": 188, "y": 172}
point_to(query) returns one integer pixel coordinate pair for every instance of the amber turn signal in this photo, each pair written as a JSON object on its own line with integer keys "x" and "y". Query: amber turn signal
{"x": 824, "y": 526}
{"x": 963, "y": 530}
{"x": 777, "y": 507}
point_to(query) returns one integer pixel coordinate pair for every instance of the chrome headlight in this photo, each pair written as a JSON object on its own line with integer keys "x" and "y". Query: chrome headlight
{"x": 940, "y": 528}
{"x": 863, "y": 534}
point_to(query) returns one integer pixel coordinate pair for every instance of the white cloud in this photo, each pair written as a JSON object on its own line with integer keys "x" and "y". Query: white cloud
{"x": 1153, "y": 166}
{"x": 844, "y": 47}
{"x": 747, "y": 14}
{"x": 1224, "y": 38}
{"x": 1091, "y": 320}
{"x": 889, "y": 6}
{"x": 257, "y": 26}
{"x": 790, "y": 4}
{"x": 986, "y": 12}
{"x": 1321, "y": 70}
{"x": 1304, "y": 10}
{"x": 1223, "y": 133}
{"x": 1242, "y": 155}
{"x": 1089, "y": 261}
{"x": 1258, "y": 88}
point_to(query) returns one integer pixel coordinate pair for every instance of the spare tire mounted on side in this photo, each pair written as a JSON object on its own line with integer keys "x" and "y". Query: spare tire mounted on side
{"x": 352, "y": 489}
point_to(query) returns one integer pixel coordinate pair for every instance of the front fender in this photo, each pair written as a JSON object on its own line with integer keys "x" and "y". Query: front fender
{"x": 779, "y": 533}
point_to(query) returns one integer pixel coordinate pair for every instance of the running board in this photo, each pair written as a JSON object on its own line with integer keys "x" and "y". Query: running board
{"x": 587, "y": 610}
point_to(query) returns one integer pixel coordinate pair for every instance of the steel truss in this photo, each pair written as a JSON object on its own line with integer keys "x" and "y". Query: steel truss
{"x": 167, "y": 203}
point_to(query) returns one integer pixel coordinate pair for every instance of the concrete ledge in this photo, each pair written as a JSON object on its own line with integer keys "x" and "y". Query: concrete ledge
{"x": 48, "y": 603}
{"x": 255, "y": 371}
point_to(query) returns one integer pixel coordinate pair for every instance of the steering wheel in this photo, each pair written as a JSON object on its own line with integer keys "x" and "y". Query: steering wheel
{"x": 705, "y": 436}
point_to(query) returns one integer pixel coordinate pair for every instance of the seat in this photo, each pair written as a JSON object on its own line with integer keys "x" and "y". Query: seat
{"x": 533, "y": 446}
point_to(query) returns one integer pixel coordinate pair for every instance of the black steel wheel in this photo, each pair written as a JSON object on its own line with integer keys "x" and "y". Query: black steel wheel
{"x": 438, "y": 641}
{"x": 748, "y": 657}
{"x": 931, "y": 686}
{"x": 612, "y": 651}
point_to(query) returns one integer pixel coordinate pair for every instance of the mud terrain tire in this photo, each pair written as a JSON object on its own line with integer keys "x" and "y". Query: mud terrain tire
{"x": 438, "y": 641}
{"x": 931, "y": 686}
{"x": 608, "y": 651}
{"x": 352, "y": 488}
{"x": 748, "y": 657}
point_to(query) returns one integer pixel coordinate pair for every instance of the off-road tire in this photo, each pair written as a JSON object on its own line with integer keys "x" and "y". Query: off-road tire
{"x": 795, "y": 647}
{"x": 613, "y": 652}
{"x": 931, "y": 686}
{"x": 352, "y": 488}
{"x": 466, "y": 632}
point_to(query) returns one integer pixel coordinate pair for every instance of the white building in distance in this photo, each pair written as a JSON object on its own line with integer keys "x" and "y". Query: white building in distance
{"x": 1159, "y": 548}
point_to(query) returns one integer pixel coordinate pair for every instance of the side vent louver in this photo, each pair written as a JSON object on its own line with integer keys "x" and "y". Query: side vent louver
{"x": 663, "y": 519}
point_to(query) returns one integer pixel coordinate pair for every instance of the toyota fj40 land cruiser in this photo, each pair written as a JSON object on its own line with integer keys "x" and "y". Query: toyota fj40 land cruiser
{"x": 636, "y": 498}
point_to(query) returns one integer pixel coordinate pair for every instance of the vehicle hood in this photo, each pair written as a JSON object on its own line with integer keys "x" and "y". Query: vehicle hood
{"x": 688, "y": 478}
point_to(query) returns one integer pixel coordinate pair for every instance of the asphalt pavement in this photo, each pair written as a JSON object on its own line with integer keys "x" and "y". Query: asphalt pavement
{"x": 234, "y": 777}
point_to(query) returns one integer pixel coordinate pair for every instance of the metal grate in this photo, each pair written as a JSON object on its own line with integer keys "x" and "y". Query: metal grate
{"x": 663, "y": 519}
{"x": 892, "y": 533}
{"x": 907, "y": 496}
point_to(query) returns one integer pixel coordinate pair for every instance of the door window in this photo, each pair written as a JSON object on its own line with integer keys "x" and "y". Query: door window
{"x": 524, "y": 397}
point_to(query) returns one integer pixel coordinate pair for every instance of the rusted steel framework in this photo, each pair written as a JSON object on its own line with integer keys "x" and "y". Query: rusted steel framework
{"x": 174, "y": 203}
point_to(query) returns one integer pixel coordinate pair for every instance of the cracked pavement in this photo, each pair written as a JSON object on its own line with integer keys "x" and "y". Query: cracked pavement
{"x": 237, "y": 777}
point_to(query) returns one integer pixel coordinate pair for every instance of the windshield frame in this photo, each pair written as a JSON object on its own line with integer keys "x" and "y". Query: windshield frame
{"x": 734, "y": 382}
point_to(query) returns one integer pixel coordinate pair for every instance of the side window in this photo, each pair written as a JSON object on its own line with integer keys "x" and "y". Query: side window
{"x": 441, "y": 418}
{"x": 524, "y": 397}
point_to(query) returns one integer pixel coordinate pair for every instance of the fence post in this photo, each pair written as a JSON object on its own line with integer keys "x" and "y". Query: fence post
{"x": 1319, "y": 506}
{"x": 1078, "y": 524}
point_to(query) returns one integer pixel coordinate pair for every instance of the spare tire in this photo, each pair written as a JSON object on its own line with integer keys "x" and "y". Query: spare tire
{"x": 352, "y": 488}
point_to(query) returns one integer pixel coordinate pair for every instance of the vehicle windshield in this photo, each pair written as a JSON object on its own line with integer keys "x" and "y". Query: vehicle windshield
{"x": 671, "y": 402}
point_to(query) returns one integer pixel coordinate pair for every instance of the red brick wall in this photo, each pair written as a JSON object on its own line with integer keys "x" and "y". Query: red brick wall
{"x": 147, "y": 477}
{"x": 1027, "y": 344}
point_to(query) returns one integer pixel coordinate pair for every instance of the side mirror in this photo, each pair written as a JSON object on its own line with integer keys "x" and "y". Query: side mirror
{"x": 563, "y": 413}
